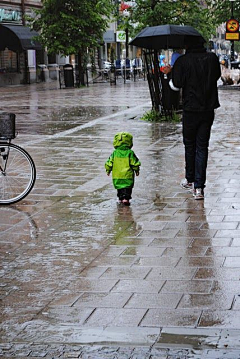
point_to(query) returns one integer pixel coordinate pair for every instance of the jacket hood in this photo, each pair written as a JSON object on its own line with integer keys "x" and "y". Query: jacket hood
{"x": 123, "y": 138}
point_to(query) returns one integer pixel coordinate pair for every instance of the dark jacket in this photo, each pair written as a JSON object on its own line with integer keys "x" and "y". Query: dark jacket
{"x": 197, "y": 73}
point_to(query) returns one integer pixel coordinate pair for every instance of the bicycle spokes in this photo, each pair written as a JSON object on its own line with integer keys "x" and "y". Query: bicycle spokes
{"x": 17, "y": 174}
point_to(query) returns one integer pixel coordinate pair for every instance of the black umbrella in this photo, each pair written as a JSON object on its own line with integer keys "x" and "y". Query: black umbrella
{"x": 167, "y": 37}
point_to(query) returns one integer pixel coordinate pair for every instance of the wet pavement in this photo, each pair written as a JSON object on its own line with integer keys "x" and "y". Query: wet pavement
{"x": 84, "y": 277}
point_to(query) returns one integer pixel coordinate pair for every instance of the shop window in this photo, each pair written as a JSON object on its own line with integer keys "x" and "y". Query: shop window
{"x": 51, "y": 58}
{"x": 8, "y": 61}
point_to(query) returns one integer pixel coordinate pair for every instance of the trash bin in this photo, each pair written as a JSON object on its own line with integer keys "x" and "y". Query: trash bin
{"x": 7, "y": 125}
{"x": 41, "y": 71}
{"x": 53, "y": 71}
{"x": 68, "y": 75}
{"x": 170, "y": 98}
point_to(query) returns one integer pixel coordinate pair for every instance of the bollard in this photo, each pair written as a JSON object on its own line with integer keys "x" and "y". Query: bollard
{"x": 112, "y": 75}
{"x": 134, "y": 72}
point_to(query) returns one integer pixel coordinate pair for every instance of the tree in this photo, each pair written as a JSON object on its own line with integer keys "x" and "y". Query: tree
{"x": 195, "y": 13}
{"x": 204, "y": 15}
{"x": 70, "y": 27}
{"x": 221, "y": 10}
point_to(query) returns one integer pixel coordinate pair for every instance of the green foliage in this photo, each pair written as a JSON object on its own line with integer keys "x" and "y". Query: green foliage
{"x": 237, "y": 46}
{"x": 67, "y": 27}
{"x": 221, "y": 10}
{"x": 152, "y": 116}
{"x": 203, "y": 15}
{"x": 155, "y": 116}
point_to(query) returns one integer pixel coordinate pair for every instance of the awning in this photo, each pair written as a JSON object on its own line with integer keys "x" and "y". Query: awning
{"x": 18, "y": 38}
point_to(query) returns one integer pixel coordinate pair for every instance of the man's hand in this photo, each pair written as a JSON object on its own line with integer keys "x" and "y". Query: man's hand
{"x": 167, "y": 69}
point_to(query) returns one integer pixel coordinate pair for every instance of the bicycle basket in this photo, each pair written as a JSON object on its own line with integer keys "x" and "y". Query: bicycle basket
{"x": 7, "y": 125}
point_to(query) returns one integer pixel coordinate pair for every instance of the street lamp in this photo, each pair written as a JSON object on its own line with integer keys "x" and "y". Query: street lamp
{"x": 232, "y": 42}
{"x": 232, "y": 1}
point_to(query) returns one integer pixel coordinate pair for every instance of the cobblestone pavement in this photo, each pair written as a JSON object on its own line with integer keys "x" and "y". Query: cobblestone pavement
{"x": 83, "y": 277}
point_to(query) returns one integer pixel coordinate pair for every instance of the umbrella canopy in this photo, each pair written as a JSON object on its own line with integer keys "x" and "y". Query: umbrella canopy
{"x": 167, "y": 37}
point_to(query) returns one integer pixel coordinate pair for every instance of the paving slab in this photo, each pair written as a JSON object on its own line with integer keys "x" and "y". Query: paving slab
{"x": 84, "y": 277}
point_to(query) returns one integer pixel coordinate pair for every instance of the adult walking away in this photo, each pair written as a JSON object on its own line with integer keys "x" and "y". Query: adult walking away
{"x": 196, "y": 72}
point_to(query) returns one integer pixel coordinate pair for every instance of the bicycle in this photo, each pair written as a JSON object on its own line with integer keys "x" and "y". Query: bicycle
{"x": 17, "y": 169}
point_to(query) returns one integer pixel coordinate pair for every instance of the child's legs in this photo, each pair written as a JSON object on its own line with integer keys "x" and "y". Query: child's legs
{"x": 124, "y": 193}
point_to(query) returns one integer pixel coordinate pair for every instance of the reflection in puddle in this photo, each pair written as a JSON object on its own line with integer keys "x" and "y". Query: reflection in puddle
{"x": 61, "y": 120}
{"x": 15, "y": 220}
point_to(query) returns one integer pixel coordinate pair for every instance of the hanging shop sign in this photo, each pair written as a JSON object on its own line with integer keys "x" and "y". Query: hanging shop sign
{"x": 121, "y": 36}
{"x": 232, "y": 30}
{"x": 109, "y": 36}
{"x": 9, "y": 15}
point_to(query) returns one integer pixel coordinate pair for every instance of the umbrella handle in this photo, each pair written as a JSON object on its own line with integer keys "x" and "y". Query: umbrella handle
{"x": 172, "y": 86}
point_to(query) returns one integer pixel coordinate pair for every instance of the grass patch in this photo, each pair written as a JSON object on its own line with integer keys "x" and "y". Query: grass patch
{"x": 155, "y": 116}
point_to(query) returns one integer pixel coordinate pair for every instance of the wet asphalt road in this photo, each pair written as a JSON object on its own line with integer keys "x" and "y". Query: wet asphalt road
{"x": 158, "y": 279}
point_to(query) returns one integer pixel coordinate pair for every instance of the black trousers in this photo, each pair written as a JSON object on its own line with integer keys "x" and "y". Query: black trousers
{"x": 196, "y": 135}
{"x": 124, "y": 193}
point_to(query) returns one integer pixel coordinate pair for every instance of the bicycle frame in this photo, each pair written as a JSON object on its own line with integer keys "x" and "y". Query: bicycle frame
{"x": 3, "y": 170}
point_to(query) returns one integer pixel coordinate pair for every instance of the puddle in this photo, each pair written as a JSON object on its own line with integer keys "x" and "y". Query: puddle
{"x": 187, "y": 341}
{"x": 60, "y": 120}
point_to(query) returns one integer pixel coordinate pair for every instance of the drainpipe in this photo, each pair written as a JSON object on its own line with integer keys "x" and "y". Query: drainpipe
{"x": 23, "y": 12}
{"x": 26, "y": 78}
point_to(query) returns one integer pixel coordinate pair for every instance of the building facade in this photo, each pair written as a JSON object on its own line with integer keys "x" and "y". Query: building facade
{"x": 24, "y": 61}
{"x": 19, "y": 51}
{"x": 22, "y": 58}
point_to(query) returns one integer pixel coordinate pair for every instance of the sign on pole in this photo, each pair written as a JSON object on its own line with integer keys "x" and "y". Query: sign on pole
{"x": 121, "y": 36}
{"x": 232, "y": 30}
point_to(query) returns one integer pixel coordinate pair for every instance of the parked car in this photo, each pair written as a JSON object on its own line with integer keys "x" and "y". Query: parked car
{"x": 106, "y": 65}
{"x": 235, "y": 64}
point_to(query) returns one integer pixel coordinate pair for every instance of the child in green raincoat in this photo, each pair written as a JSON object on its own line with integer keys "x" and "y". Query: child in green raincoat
{"x": 124, "y": 164}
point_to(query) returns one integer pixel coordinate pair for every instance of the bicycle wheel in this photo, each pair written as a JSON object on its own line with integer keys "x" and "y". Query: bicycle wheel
{"x": 17, "y": 173}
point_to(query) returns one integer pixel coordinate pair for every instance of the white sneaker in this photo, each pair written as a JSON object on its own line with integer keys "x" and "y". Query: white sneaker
{"x": 186, "y": 185}
{"x": 198, "y": 193}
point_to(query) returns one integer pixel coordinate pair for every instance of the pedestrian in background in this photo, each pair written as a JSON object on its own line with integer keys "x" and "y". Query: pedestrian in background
{"x": 124, "y": 164}
{"x": 197, "y": 73}
{"x": 176, "y": 54}
{"x": 162, "y": 62}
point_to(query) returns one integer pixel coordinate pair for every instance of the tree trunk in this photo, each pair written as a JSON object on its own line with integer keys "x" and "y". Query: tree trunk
{"x": 153, "y": 4}
{"x": 81, "y": 81}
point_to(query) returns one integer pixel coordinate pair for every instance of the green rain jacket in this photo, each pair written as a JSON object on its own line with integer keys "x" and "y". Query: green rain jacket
{"x": 123, "y": 163}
